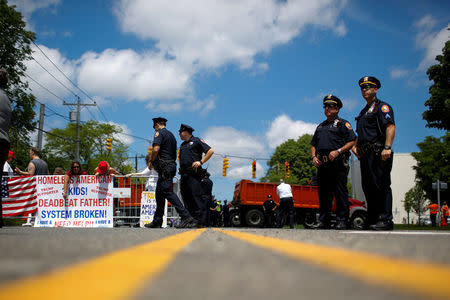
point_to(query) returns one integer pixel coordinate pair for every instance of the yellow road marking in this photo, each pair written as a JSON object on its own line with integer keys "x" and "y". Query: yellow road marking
{"x": 117, "y": 275}
{"x": 427, "y": 279}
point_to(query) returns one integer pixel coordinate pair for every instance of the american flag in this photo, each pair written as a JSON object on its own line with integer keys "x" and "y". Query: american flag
{"x": 19, "y": 196}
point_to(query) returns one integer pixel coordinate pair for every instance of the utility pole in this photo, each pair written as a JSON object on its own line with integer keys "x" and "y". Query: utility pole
{"x": 78, "y": 105}
{"x": 41, "y": 126}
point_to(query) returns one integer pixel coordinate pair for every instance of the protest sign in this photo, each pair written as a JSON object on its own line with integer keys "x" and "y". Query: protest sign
{"x": 148, "y": 209}
{"x": 89, "y": 202}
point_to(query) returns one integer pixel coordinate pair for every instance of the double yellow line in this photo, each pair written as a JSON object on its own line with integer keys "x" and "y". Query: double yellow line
{"x": 121, "y": 274}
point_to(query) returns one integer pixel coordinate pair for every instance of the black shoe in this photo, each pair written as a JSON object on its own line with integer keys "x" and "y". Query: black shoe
{"x": 321, "y": 225}
{"x": 153, "y": 225}
{"x": 382, "y": 226}
{"x": 187, "y": 223}
{"x": 341, "y": 225}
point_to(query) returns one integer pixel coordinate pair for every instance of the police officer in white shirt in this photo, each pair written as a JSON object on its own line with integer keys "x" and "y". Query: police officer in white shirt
{"x": 286, "y": 204}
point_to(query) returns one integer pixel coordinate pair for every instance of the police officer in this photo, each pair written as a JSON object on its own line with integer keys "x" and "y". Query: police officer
{"x": 207, "y": 186}
{"x": 375, "y": 127}
{"x": 191, "y": 171}
{"x": 269, "y": 207}
{"x": 330, "y": 147}
{"x": 163, "y": 160}
{"x": 226, "y": 214}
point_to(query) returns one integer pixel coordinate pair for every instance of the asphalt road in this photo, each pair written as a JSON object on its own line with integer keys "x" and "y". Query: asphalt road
{"x": 134, "y": 263}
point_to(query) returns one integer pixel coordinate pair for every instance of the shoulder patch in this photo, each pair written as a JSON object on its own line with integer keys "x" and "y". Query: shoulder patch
{"x": 347, "y": 124}
{"x": 202, "y": 141}
{"x": 385, "y": 108}
{"x": 156, "y": 134}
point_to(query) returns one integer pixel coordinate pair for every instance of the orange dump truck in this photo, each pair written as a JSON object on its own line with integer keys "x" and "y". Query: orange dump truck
{"x": 246, "y": 207}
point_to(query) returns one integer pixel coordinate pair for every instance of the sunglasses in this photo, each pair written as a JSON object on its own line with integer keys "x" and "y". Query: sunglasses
{"x": 330, "y": 106}
{"x": 366, "y": 86}
{"x": 76, "y": 167}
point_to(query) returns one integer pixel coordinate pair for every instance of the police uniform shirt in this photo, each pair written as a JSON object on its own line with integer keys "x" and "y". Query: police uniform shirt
{"x": 332, "y": 135}
{"x": 167, "y": 143}
{"x": 207, "y": 186}
{"x": 372, "y": 120}
{"x": 191, "y": 151}
{"x": 269, "y": 204}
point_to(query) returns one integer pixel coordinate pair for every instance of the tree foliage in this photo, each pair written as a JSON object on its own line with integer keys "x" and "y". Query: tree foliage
{"x": 15, "y": 50}
{"x": 415, "y": 201}
{"x": 297, "y": 154}
{"x": 433, "y": 163}
{"x": 438, "y": 112}
{"x": 61, "y": 151}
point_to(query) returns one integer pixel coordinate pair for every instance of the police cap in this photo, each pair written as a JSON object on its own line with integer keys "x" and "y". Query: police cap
{"x": 184, "y": 127}
{"x": 269, "y": 196}
{"x": 331, "y": 99}
{"x": 159, "y": 120}
{"x": 370, "y": 80}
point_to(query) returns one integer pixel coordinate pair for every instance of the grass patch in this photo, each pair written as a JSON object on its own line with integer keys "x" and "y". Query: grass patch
{"x": 13, "y": 222}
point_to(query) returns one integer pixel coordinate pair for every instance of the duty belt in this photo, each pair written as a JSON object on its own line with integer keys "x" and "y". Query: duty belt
{"x": 365, "y": 149}
{"x": 323, "y": 158}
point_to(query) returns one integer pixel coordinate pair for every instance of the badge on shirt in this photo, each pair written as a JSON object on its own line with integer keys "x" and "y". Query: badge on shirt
{"x": 156, "y": 134}
{"x": 336, "y": 122}
{"x": 347, "y": 124}
{"x": 385, "y": 108}
{"x": 190, "y": 143}
{"x": 372, "y": 107}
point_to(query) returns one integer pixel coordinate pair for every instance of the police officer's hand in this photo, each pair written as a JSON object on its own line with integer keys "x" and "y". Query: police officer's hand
{"x": 355, "y": 151}
{"x": 333, "y": 155}
{"x": 386, "y": 153}
{"x": 196, "y": 164}
{"x": 316, "y": 161}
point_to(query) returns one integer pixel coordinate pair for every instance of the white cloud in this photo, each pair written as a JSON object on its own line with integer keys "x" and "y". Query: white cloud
{"x": 213, "y": 33}
{"x": 430, "y": 40}
{"x": 27, "y": 7}
{"x": 124, "y": 138}
{"x": 230, "y": 141}
{"x": 284, "y": 128}
{"x": 399, "y": 73}
{"x": 35, "y": 71}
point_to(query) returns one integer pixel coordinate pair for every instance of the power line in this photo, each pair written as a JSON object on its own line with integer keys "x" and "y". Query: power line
{"x": 55, "y": 135}
{"x": 244, "y": 157}
{"x": 44, "y": 87}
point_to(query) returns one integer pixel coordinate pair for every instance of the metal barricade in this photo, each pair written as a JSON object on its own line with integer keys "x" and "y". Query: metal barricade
{"x": 127, "y": 199}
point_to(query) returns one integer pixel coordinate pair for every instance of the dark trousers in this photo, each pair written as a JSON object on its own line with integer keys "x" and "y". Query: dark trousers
{"x": 164, "y": 190}
{"x": 433, "y": 219}
{"x": 4, "y": 149}
{"x": 376, "y": 184}
{"x": 286, "y": 207}
{"x": 191, "y": 191}
{"x": 332, "y": 181}
{"x": 269, "y": 218}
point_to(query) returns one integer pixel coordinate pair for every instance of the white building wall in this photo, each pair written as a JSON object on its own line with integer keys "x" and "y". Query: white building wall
{"x": 402, "y": 178}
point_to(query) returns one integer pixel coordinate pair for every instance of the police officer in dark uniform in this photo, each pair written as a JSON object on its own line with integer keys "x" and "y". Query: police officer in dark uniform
{"x": 207, "y": 186}
{"x": 330, "y": 147}
{"x": 191, "y": 171}
{"x": 163, "y": 160}
{"x": 375, "y": 127}
{"x": 226, "y": 214}
{"x": 269, "y": 207}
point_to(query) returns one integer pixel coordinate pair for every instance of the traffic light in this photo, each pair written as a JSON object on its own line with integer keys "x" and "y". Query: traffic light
{"x": 254, "y": 169}
{"x": 150, "y": 149}
{"x": 109, "y": 144}
{"x": 225, "y": 166}
{"x": 286, "y": 170}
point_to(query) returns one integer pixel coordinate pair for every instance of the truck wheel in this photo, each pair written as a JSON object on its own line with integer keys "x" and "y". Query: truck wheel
{"x": 310, "y": 220}
{"x": 358, "y": 220}
{"x": 254, "y": 218}
{"x": 235, "y": 219}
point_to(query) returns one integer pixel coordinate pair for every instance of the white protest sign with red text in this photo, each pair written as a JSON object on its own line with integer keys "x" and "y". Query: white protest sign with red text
{"x": 89, "y": 202}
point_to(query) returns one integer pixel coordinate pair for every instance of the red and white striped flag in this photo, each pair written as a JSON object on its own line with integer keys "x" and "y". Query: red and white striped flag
{"x": 19, "y": 196}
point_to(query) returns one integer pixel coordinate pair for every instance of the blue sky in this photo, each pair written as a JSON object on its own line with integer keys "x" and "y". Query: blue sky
{"x": 247, "y": 75}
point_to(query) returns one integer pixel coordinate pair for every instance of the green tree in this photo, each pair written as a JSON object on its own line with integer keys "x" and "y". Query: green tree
{"x": 15, "y": 50}
{"x": 433, "y": 163}
{"x": 61, "y": 151}
{"x": 297, "y": 154}
{"x": 438, "y": 112}
{"x": 415, "y": 200}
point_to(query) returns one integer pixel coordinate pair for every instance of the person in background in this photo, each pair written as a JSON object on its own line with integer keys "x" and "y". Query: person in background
{"x": 58, "y": 171}
{"x": 105, "y": 170}
{"x": 7, "y": 170}
{"x": 75, "y": 170}
{"x": 286, "y": 204}
{"x": 36, "y": 166}
{"x": 150, "y": 185}
{"x": 207, "y": 186}
{"x": 269, "y": 207}
{"x": 433, "y": 207}
{"x": 445, "y": 211}
{"x": 5, "y": 121}
{"x": 226, "y": 214}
